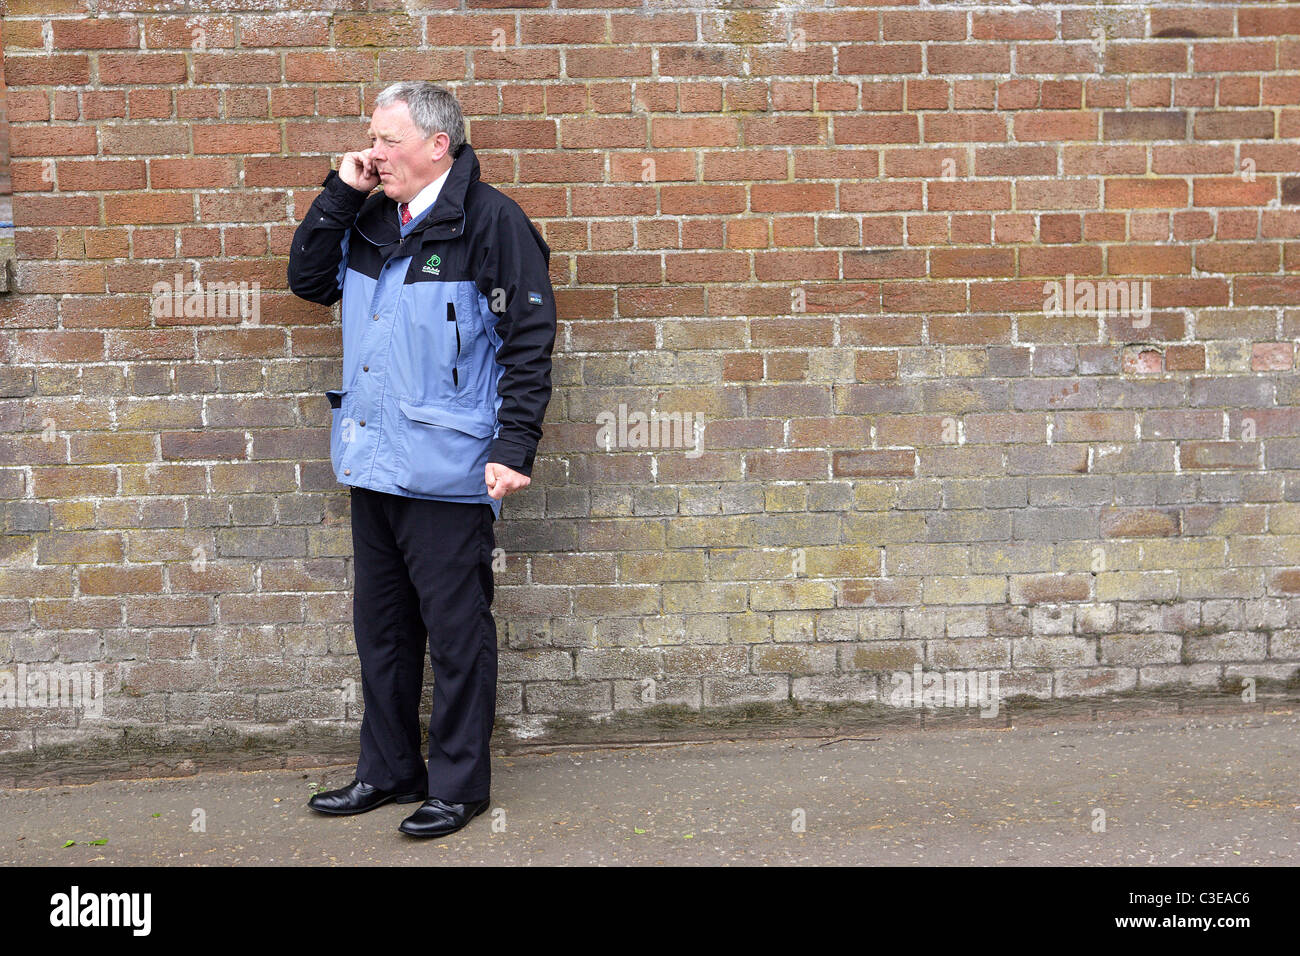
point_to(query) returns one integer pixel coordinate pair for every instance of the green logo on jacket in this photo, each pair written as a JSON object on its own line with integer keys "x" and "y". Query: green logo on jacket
{"x": 432, "y": 265}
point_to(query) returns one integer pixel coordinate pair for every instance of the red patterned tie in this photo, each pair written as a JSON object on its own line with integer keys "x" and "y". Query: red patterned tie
{"x": 406, "y": 213}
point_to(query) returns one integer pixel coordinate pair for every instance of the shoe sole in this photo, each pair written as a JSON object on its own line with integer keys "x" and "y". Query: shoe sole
{"x": 399, "y": 798}
{"x": 442, "y": 833}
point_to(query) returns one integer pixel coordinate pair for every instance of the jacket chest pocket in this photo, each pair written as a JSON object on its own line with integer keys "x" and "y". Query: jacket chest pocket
{"x": 466, "y": 339}
{"x": 431, "y": 348}
{"x": 454, "y": 324}
{"x": 441, "y": 450}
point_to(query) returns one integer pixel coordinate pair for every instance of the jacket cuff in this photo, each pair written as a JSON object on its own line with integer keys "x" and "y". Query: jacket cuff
{"x": 335, "y": 186}
{"x": 512, "y": 455}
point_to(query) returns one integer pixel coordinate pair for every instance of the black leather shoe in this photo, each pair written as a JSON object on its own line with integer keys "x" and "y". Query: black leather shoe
{"x": 436, "y": 818}
{"x": 358, "y": 797}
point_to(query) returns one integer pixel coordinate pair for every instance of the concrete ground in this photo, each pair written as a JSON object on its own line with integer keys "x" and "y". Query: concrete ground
{"x": 1213, "y": 789}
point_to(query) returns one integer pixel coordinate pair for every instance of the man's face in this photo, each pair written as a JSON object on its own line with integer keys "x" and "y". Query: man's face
{"x": 403, "y": 158}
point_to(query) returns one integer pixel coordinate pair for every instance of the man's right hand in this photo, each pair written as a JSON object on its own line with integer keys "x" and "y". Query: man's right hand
{"x": 357, "y": 171}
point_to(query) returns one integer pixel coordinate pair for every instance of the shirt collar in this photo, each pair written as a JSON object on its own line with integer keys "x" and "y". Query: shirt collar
{"x": 425, "y": 198}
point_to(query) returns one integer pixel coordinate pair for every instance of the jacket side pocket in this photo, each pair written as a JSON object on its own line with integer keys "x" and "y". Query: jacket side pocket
{"x": 444, "y": 451}
{"x": 338, "y": 428}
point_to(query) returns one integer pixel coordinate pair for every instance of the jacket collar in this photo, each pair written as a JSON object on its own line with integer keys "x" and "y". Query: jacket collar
{"x": 378, "y": 222}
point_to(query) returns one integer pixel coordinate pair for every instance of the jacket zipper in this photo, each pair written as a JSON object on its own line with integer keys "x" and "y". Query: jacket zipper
{"x": 451, "y": 317}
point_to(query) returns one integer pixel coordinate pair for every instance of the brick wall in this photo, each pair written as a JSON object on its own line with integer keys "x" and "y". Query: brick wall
{"x": 826, "y": 234}
{"x": 4, "y": 123}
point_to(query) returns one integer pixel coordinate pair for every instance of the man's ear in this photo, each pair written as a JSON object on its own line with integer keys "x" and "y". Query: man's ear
{"x": 445, "y": 151}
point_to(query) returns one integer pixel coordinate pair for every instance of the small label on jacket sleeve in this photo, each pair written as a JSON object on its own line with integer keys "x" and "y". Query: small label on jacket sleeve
{"x": 535, "y": 298}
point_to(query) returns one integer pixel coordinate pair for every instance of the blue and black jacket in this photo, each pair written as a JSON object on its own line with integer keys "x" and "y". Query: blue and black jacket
{"x": 448, "y": 327}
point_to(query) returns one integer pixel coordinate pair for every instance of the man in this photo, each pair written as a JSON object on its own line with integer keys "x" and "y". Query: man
{"x": 448, "y": 327}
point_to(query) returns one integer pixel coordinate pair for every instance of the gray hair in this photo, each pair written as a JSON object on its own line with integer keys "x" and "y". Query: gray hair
{"x": 433, "y": 109}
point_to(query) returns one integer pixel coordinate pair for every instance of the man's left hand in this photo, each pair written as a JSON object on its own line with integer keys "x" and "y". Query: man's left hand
{"x": 501, "y": 480}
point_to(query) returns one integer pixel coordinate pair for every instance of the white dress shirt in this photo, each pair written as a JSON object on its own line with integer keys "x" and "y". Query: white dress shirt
{"x": 425, "y": 198}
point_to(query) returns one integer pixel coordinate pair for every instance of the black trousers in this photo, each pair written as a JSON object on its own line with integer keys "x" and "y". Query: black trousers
{"x": 423, "y": 574}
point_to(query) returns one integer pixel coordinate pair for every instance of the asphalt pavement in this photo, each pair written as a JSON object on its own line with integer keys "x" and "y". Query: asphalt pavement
{"x": 1214, "y": 790}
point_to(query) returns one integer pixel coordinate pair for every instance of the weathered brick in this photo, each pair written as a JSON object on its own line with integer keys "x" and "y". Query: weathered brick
{"x": 732, "y": 691}
{"x": 1230, "y": 646}
{"x": 1059, "y": 651}
{"x": 855, "y": 688}
{"x": 1094, "y": 681}
{"x": 1140, "y": 650}
{"x": 969, "y": 653}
